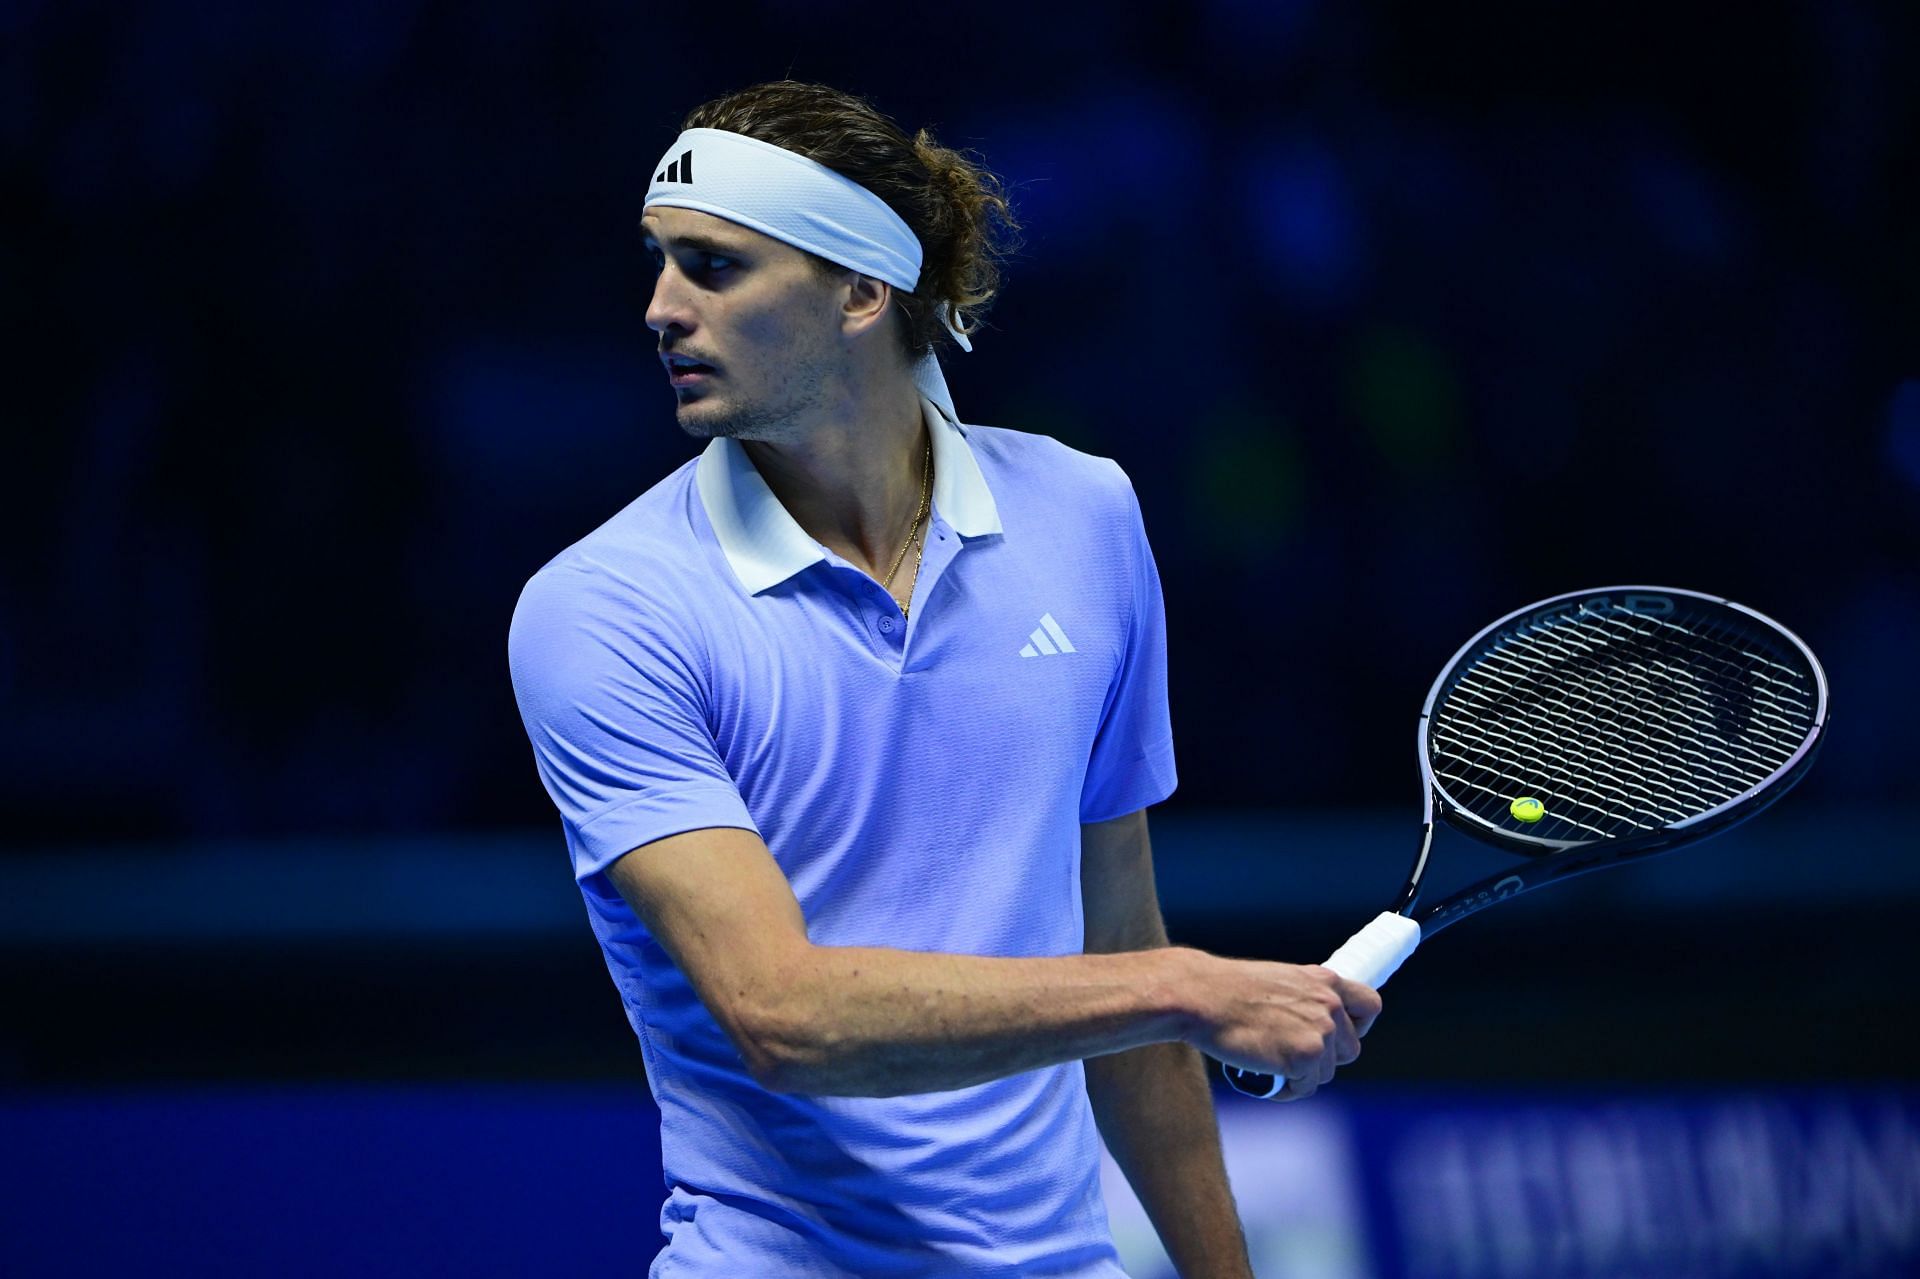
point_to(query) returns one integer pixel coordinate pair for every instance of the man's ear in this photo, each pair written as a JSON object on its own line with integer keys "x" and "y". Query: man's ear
{"x": 865, "y": 304}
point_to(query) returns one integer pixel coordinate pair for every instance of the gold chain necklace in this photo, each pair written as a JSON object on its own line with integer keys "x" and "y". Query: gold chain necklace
{"x": 926, "y": 469}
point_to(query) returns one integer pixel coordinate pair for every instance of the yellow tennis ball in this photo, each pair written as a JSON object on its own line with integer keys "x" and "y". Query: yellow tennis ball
{"x": 1527, "y": 809}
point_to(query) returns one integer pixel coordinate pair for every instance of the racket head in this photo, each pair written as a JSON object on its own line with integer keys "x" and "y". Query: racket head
{"x": 1639, "y": 717}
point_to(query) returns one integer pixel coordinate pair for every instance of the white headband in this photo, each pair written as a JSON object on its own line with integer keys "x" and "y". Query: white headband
{"x": 802, "y": 202}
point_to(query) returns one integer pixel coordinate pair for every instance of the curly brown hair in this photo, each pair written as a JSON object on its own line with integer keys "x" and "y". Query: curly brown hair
{"x": 956, "y": 206}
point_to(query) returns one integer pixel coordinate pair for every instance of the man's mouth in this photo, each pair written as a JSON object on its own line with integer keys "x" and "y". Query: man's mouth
{"x": 685, "y": 370}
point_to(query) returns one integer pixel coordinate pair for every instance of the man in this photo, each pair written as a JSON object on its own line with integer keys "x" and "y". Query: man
{"x": 852, "y": 722}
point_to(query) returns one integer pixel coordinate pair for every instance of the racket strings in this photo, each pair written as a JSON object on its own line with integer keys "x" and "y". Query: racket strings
{"x": 1625, "y": 729}
{"x": 1593, "y": 719}
{"x": 1575, "y": 712}
{"x": 1504, "y": 766}
{"x": 1775, "y": 712}
{"x": 1678, "y": 683}
{"x": 1619, "y": 722}
{"x": 1759, "y": 674}
{"x": 1570, "y": 723}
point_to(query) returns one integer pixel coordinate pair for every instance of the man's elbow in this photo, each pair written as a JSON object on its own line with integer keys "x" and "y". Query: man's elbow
{"x": 772, "y": 1064}
{"x": 783, "y": 1049}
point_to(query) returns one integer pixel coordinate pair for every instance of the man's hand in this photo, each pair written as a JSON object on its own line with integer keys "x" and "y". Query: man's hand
{"x": 1298, "y": 1021}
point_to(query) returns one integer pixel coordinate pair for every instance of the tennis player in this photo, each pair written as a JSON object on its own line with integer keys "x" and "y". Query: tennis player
{"x": 852, "y": 722}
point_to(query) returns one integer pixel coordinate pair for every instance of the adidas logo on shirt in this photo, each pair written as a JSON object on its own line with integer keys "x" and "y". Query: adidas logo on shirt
{"x": 1048, "y": 638}
{"x": 680, "y": 170}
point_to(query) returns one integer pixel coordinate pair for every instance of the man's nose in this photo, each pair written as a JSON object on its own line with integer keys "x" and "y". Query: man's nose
{"x": 667, "y": 308}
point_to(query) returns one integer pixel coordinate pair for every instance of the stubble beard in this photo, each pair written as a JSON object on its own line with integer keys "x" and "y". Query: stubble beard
{"x": 771, "y": 420}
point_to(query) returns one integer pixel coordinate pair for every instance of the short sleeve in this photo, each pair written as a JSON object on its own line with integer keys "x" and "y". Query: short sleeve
{"x": 1131, "y": 764}
{"x": 613, "y": 696}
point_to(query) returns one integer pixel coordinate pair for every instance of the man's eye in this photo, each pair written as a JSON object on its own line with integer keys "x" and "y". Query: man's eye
{"x": 706, "y": 261}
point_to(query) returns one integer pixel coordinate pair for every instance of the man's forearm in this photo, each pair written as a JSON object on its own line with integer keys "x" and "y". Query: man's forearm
{"x": 1156, "y": 1115}
{"x": 878, "y": 1022}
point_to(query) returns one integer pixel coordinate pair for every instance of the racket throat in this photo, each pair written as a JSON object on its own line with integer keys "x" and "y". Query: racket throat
{"x": 1410, "y": 892}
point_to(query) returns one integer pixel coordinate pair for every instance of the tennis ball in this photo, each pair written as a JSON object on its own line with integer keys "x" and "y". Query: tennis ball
{"x": 1527, "y": 809}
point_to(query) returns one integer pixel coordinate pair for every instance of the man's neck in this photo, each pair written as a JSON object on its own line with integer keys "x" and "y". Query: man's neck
{"x": 854, "y": 484}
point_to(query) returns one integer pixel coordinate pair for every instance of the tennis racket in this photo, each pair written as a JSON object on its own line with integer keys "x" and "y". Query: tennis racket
{"x": 1591, "y": 730}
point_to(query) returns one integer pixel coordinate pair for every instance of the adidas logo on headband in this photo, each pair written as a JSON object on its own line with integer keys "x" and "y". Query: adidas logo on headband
{"x": 680, "y": 170}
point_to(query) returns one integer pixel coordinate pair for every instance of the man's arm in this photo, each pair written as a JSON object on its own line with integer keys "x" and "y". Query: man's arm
{"x": 1152, "y": 1104}
{"x": 876, "y": 1021}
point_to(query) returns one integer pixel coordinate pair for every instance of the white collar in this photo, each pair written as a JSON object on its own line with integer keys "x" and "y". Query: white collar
{"x": 766, "y": 545}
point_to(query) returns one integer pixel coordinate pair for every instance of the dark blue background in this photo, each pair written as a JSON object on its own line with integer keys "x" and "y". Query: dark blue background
{"x": 327, "y": 328}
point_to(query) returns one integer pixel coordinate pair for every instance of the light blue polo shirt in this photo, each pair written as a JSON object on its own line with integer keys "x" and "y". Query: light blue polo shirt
{"x": 700, "y": 660}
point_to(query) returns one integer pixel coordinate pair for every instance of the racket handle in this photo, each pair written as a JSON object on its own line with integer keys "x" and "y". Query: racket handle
{"x": 1376, "y": 952}
{"x": 1370, "y": 956}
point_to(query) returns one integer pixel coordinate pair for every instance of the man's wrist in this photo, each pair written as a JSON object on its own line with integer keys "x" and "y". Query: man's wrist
{"x": 1184, "y": 990}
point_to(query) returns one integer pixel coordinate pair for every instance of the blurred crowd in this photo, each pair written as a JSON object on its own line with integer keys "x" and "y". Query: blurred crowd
{"x": 325, "y": 328}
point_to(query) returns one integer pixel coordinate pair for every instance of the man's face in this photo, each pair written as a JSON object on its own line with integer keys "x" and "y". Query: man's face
{"x": 754, "y": 310}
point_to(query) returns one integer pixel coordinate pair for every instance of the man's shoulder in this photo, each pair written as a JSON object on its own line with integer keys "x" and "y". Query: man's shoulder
{"x": 1046, "y": 462}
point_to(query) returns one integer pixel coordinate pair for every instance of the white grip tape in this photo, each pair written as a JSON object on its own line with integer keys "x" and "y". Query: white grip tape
{"x": 1371, "y": 955}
